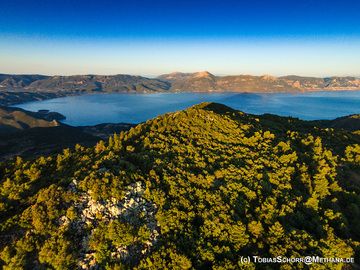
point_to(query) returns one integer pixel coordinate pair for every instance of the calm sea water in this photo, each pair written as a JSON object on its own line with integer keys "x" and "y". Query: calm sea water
{"x": 134, "y": 108}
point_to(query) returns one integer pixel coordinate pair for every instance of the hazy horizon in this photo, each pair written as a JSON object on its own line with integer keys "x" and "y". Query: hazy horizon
{"x": 157, "y": 75}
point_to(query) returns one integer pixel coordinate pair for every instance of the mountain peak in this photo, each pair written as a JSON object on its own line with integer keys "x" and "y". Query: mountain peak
{"x": 203, "y": 74}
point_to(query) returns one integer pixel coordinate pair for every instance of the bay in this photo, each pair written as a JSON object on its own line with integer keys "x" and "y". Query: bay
{"x": 94, "y": 109}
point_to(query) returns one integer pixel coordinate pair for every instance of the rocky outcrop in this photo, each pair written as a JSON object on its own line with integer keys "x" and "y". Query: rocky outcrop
{"x": 127, "y": 210}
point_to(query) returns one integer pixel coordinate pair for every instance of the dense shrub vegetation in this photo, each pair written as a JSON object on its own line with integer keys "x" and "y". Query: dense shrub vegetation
{"x": 192, "y": 189}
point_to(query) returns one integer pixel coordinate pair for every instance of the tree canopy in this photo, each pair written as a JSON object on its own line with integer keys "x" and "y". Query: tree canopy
{"x": 196, "y": 189}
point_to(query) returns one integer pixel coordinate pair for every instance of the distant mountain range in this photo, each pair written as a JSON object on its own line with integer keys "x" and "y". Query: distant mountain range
{"x": 16, "y": 89}
{"x": 81, "y": 83}
{"x": 199, "y": 81}
{"x": 205, "y": 81}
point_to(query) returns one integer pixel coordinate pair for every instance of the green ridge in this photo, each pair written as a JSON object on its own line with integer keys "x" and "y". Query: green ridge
{"x": 197, "y": 189}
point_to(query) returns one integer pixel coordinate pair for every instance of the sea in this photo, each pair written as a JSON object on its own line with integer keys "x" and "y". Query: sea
{"x": 92, "y": 109}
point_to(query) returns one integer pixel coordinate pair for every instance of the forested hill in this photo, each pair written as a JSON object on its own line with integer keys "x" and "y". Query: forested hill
{"x": 195, "y": 189}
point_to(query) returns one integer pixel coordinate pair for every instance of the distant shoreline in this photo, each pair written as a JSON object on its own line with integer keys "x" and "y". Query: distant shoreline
{"x": 38, "y": 129}
{"x": 16, "y": 89}
{"x": 92, "y": 109}
{"x": 18, "y": 98}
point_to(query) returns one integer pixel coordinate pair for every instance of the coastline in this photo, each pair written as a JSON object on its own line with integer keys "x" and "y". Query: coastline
{"x": 12, "y": 98}
{"x": 33, "y": 141}
{"x": 144, "y": 105}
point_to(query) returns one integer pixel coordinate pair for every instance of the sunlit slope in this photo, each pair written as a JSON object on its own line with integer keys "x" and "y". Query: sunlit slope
{"x": 13, "y": 119}
{"x": 197, "y": 189}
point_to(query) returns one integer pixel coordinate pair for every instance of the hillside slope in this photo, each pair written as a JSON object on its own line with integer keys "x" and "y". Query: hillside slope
{"x": 37, "y": 141}
{"x": 205, "y": 81}
{"x": 81, "y": 83}
{"x": 30, "y": 134}
{"x": 8, "y": 98}
{"x": 13, "y": 119}
{"x": 9, "y": 81}
{"x": 196, "y": 189}
{"x": 350, "y": 122}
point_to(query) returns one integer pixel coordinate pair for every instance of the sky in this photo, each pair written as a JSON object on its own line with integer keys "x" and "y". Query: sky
{"x": 153, "y": 37}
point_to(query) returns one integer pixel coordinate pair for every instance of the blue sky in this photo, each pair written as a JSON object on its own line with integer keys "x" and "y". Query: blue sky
{"x": 151, "y": 37}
